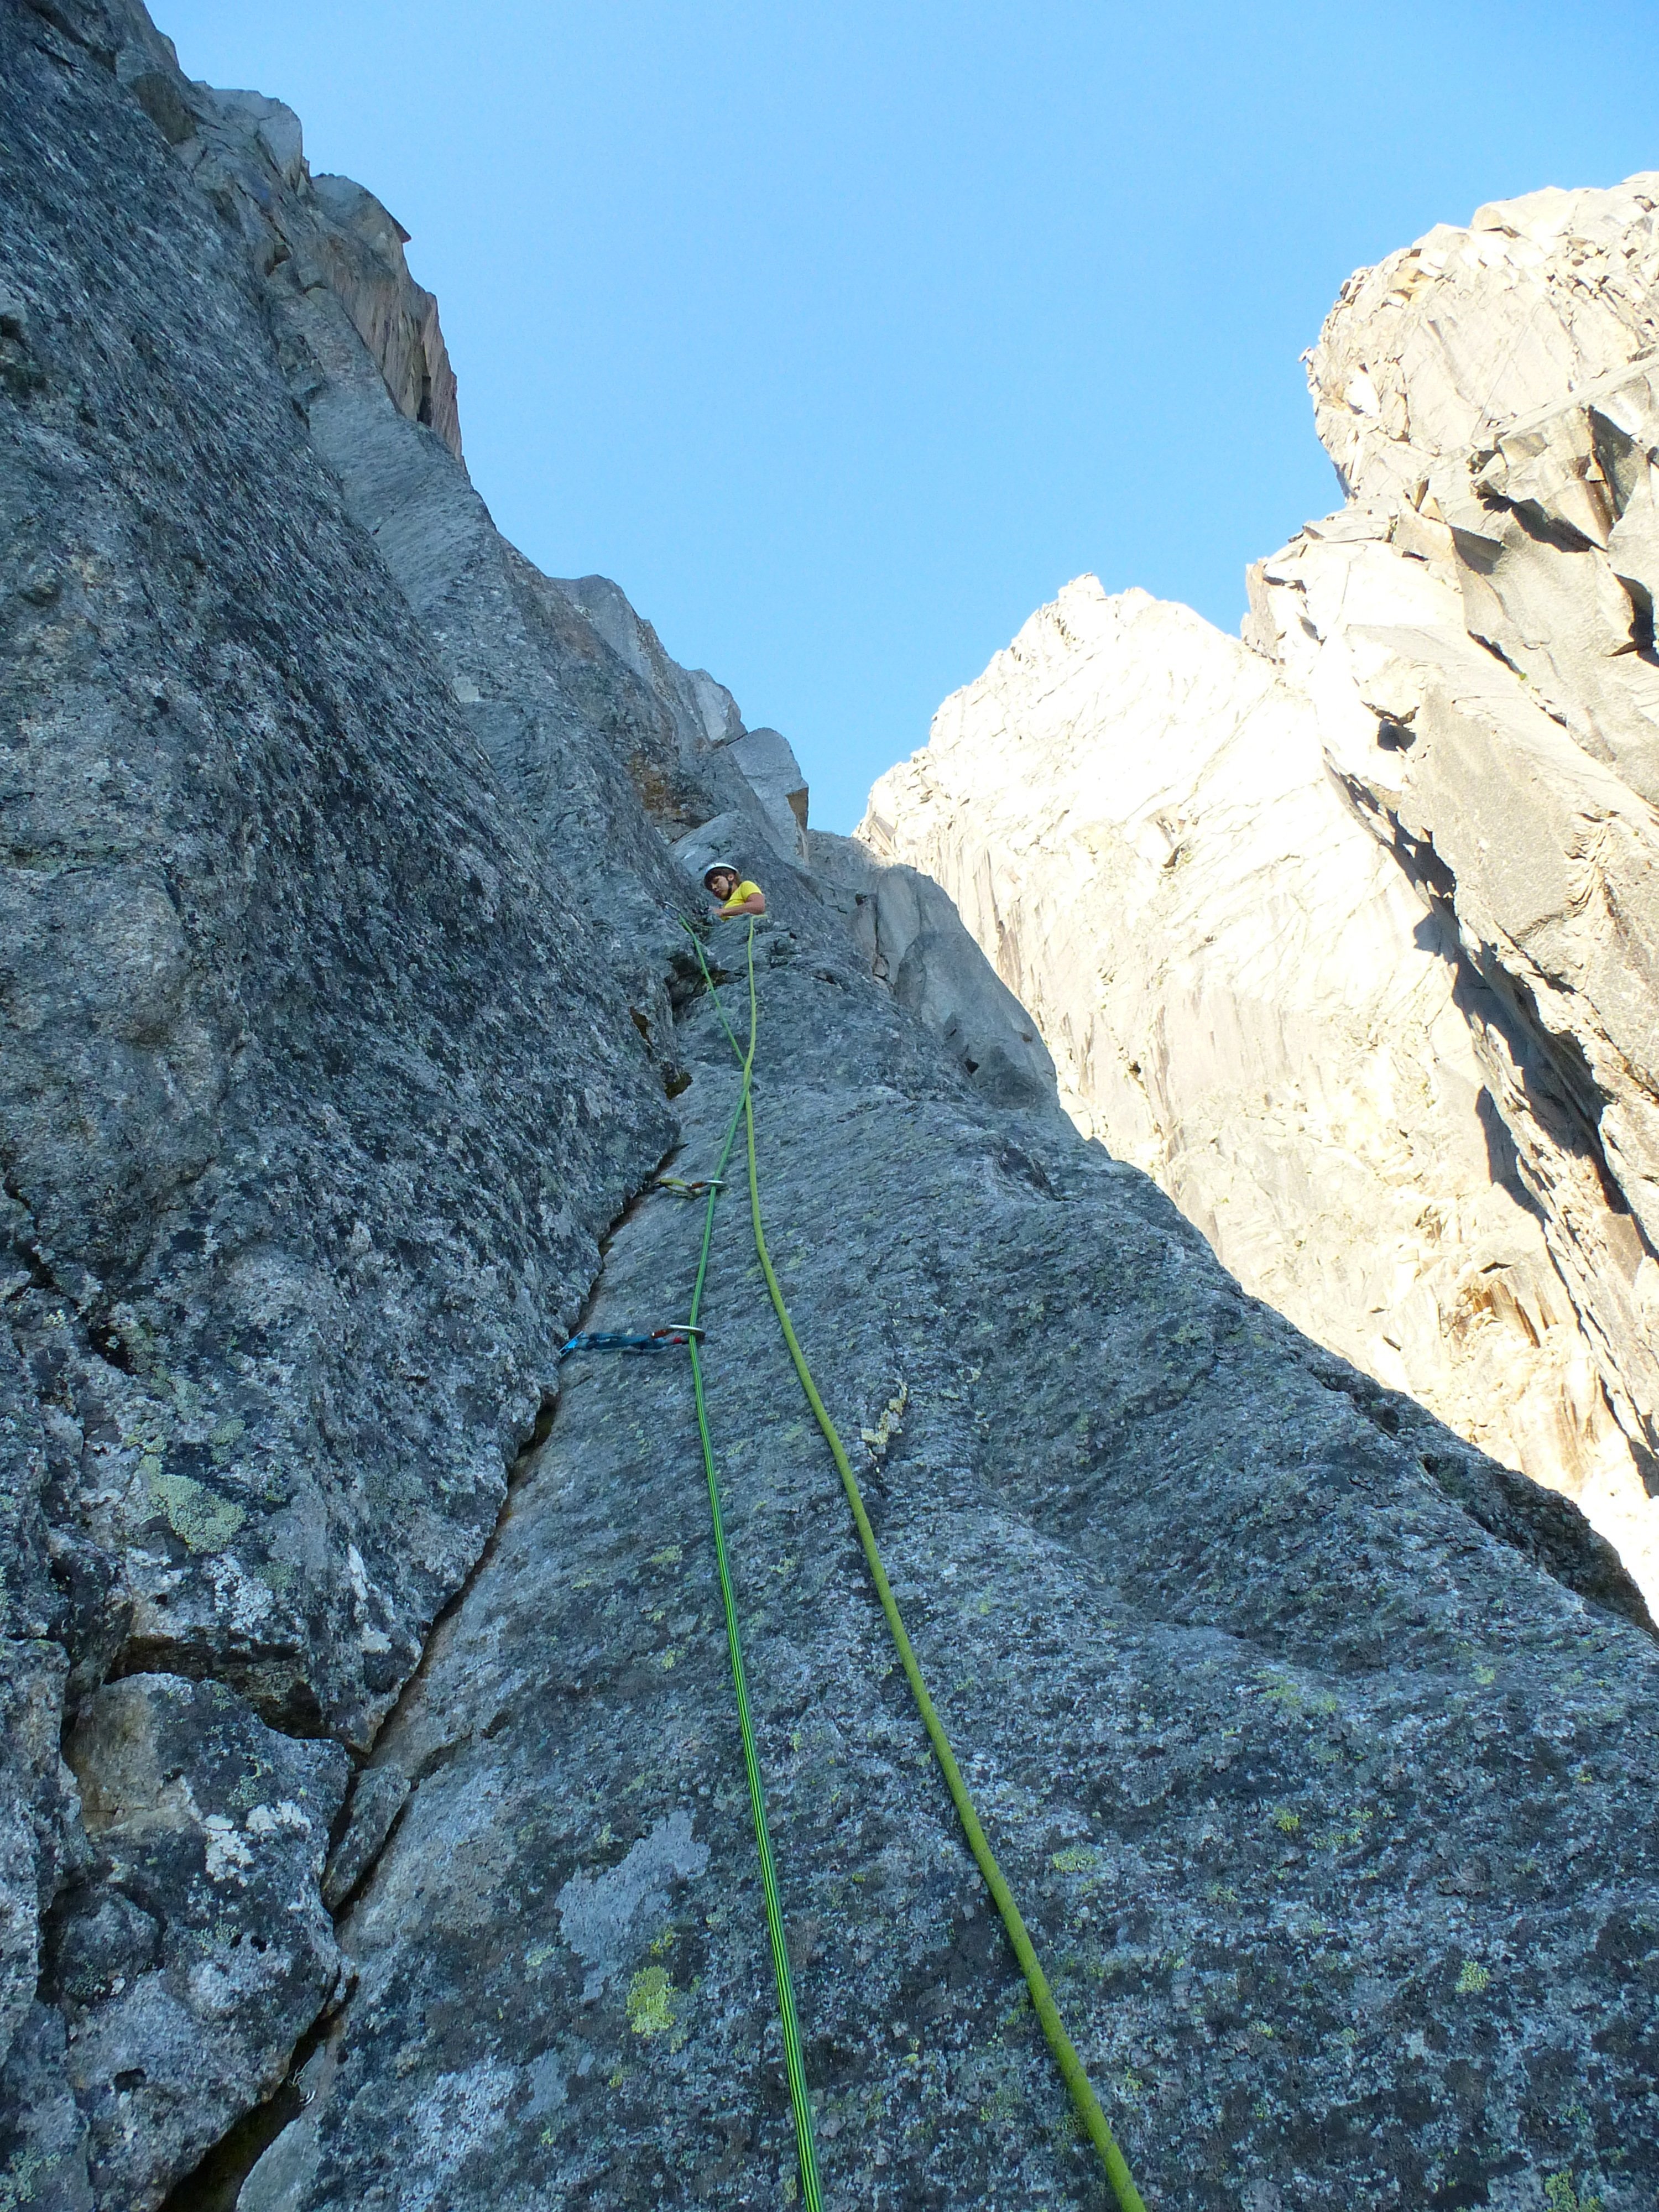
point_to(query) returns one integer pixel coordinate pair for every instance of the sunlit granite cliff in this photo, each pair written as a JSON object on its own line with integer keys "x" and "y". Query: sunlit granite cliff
{"x": 1346, "y": 933}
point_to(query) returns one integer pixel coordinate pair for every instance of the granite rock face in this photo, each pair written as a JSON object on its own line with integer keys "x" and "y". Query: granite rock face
{"x": 313, "y": 1113}
{"x": 313, "y": 1105}
{"x": 345, "y": 993}
{"x": 1248, "y": 999}
{"x": 1424, "y": 358}
{"x": 916, "y": 943}
{"x": 1348, "y": 937}
{"x": 296, "y": 1243}
{"x": 1274, "y": 1735}
{"x": 197, "y": 1950}
{"x": 1500, "y": 735}
{"x": 769, "y": 764}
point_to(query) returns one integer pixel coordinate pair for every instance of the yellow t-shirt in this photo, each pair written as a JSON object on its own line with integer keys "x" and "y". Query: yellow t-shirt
{"x": 744, "y": 890}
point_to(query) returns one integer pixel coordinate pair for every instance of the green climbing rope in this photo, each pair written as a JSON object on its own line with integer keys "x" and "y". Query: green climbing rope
{"x": 794, "y": 2061}
{"x": 1054, "y": 2028}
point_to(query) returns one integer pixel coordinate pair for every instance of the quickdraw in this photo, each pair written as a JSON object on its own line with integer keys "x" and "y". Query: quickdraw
{"x": 659, "y": 1339}
{"x": 683, "y": 1189}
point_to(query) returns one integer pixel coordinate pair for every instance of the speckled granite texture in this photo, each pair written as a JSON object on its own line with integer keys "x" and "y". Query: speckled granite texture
{"x": 1317, "y": 1749}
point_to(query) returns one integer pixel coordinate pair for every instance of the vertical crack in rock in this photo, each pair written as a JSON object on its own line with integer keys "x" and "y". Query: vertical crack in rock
{"x": 379, "y": 1794}
{"x": 368, "y": 1813}
{"x": 215, "y": 2184}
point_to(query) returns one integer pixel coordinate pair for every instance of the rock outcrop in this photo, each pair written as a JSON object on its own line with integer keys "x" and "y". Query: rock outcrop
{"x": 1346, "y": 933}
{"x": 371, "y": 1825}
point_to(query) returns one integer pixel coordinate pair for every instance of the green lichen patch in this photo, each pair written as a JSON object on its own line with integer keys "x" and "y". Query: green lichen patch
{"x": 200, "y": 1519}
{"x": 1075, "y": 1858}
{"x": 1561, "y": 2195}
{"x": 651, "y": 1997}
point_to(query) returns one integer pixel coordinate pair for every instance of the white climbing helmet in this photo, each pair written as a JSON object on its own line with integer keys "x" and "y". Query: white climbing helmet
{"x": 721, "y": 868}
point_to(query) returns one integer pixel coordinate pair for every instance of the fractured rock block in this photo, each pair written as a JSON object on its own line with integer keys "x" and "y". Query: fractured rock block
{"x": 197, "y": 1951}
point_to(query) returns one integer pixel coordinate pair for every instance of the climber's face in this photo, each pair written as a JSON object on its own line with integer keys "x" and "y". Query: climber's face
{"x": 722, "y": 886}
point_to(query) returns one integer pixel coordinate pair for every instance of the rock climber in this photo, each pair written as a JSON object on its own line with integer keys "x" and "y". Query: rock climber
{"x": 734, "y": 891}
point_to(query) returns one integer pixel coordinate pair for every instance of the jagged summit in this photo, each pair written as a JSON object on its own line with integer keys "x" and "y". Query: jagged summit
{"x": 1423, "y": 357}
{"x": 397, "y": 1854}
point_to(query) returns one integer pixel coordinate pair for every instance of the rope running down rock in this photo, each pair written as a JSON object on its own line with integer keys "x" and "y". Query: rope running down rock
{"x": 1070, "y": 2066}
{"x": 794, "y": 2060}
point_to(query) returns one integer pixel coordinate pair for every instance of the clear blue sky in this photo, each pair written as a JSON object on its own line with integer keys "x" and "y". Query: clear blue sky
{"x": 841, "y": 334}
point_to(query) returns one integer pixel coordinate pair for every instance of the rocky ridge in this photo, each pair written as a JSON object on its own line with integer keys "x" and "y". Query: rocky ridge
{"x": 371, "y": 1828}
{"x": 1344, "y": 933}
